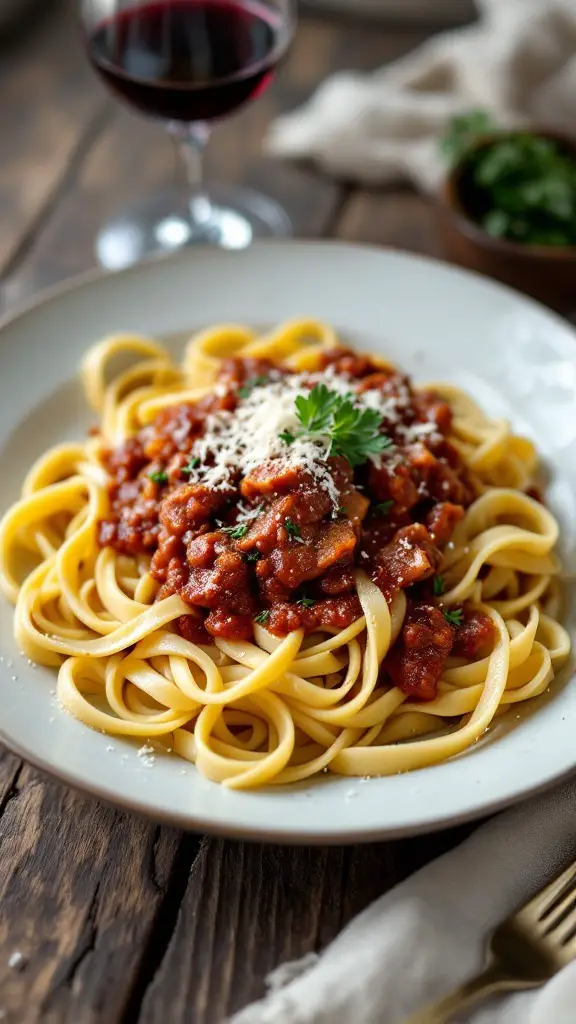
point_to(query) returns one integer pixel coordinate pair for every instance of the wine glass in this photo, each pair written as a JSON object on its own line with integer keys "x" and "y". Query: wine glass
{"x": 188, "y": 63}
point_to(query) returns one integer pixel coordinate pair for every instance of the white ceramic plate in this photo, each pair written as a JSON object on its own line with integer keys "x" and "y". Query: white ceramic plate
{"x": 439, "y": 323}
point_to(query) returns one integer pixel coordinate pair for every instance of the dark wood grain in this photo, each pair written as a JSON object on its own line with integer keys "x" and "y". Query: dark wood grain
{"x": 81, "y": 888}
{"x": 50, "y": 108}
{"x": 269, "y": 905}
{"x": 397, "y": 218}
{"x": 10, "y": 767}
{"x": 396, "y": 13}
{"x": 118, "y": 921}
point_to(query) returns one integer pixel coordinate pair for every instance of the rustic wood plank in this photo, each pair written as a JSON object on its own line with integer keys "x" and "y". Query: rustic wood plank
{"x": 432, "y": 14}
{"x": 248, "y": 908}
{"x": 82, "y": 889}
{"x": 10, "y": 768}
{"x": 396, "y": 217}
{"x": 51, "y": 103}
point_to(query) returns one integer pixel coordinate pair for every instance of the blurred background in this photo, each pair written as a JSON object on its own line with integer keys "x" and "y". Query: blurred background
{"x": 73, "y": 155}
{"x": 433, "y": 12}
{"x": 439, "y": 12}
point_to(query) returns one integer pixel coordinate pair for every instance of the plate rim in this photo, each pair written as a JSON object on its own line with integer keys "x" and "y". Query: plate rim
{"x": 96, "y": 274}
{"x": 189, "y": 820}
{"x": 278, "y": 836}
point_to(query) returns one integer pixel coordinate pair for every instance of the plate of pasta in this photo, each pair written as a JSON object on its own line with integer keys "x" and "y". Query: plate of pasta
{"x": 287, "y": 541}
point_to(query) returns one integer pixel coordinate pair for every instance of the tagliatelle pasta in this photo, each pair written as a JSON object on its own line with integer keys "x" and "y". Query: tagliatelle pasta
{"x": 281, "y": 557}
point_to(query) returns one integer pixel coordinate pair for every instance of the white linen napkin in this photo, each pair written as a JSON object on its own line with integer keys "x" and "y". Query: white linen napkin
{"x": 518, "y": 62}
{"x": 428, "y": 935}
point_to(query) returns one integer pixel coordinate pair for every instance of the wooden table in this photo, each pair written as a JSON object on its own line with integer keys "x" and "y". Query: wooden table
{"x": 118, "y": 919}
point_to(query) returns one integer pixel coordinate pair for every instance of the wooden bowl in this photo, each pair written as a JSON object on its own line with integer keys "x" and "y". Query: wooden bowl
{"x": 547, "y": 273}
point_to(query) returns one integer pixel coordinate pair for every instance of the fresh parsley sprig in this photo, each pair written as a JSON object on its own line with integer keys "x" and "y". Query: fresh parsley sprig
{"x": 316, "y": 409}
{"x": 262, "y": 617}
{"x": 353, "y": 433}
{"x": 453, "y": 617}
{"x": 438, "y": 586}
{"x": 306, "y": 602}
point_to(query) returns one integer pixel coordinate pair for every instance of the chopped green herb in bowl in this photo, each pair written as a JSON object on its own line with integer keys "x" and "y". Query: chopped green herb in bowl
{"x": 517, "y": 185}
{"x": 509, "y": 206}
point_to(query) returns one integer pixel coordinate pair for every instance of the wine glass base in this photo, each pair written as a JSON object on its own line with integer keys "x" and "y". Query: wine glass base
{"x": 167, "y": 222}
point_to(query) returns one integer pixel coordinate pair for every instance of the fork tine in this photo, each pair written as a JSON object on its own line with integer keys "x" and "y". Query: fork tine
{"x": 569, "y": 947}
{"x": 544, "y": 900}
{"x": 559, "y": 912}
{"x": 563, "y": 931}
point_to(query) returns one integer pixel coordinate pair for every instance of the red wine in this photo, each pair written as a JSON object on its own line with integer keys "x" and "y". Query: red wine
{"x": 189, "y": 60}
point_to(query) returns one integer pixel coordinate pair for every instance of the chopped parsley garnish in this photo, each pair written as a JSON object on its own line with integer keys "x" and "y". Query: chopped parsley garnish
{"x": 263, "y": 617}
{"x": 306, "y": 602}
{"x": 252, "y": 556}
{"x": 518, "y": 185}
{"x": 292, "y": 529}
{"x": 439, "y": 585}
{"x": 253, "y": 382}
{"x": 341, "y": 511}
{"x": 383, "y": 508}
{"x": 192, "y": 465}
{"x": 463, "y": 131}
{"x": 161, "y": 477}
{"x": 287, "y": 437}
{"x": 352, "y": 432}
{"x": 236, "y": 532}
{"x": 453, "y": 618}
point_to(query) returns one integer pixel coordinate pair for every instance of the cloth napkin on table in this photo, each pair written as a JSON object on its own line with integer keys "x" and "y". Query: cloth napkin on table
{"x": 428, "y": 935}
{"x": 518, "y": 62}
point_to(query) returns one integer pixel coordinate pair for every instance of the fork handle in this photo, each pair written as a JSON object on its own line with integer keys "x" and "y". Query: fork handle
{"x": 493, "y": 979}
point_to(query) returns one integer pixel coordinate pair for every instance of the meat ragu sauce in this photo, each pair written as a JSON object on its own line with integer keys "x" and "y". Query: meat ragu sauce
{"x": 273, "y": 546}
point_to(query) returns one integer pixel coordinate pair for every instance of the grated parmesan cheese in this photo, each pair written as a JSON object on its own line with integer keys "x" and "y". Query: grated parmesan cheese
{"x": 419, "y": 432}
{"x": 240, "y": 441}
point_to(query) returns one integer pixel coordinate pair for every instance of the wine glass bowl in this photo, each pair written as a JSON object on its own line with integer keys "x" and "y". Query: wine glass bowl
{"x": 188, "y": 64}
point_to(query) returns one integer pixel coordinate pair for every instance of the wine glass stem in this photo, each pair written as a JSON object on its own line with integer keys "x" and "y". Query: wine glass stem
{"x": 191, "y": 145}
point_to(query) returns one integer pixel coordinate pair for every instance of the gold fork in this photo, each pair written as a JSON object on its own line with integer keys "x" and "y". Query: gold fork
{"x": 525, "y": 951}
